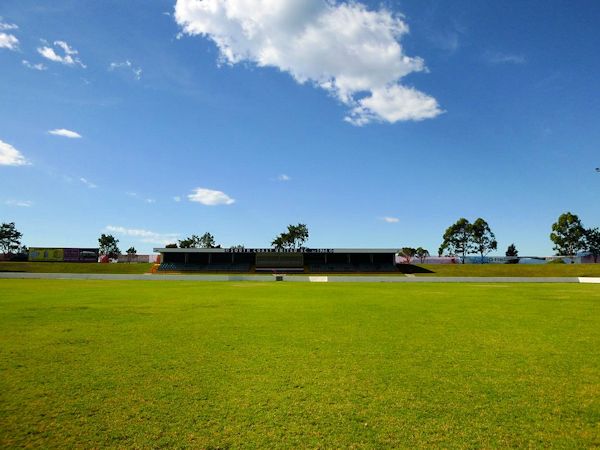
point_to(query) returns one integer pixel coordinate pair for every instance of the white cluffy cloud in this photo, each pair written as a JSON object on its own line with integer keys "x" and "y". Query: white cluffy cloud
{"x": 283, "y": 177}
{"x": 19, "y": 203}
{"x": 352, "y": 52}
{"x": 88, "y": 183}
{"x": 390, "y": 219}
{"x": 68, "y": 57}
{"x": 9, "y": 41}
{"x": 38, "y": 66}
{"x": 210, "y": 197}
{"x": 10, "y": 156}
{"x": 4, "y": 26}
{"x": 65, "y": 133}
{"x": 146, "y": 236}
{"x": 137, "y": 71}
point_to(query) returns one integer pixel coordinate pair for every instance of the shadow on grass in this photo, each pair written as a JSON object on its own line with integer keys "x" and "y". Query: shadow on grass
{"x": 411, "y": 268}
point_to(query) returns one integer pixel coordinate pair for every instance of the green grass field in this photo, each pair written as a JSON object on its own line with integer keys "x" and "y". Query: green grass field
{"x": 439, "y": 270}
{"x": 59, "y": 267}
{"x": 511, "y": 270}
{"x": 225, "y": 365}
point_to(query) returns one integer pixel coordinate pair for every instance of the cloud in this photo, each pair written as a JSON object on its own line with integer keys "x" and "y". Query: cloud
{"x": 38, "y": 66}
{"x": 10, "y": 156}
{"x": 283, "y": 177}
{"x": 177, "y": 198}
{"x": 68, "y": 57}
{"x": 137, "y": 71}
{"x": 19, "y": 203}
{"x": 9, "y": 41}
{"x": 65, "y": 133}
{"x": 210, "y": 197}
{"x": 4, "y": 26}
{"x": 149, "y": 200}
{"x": 88, "y": 183}
{"x": 503, "y": 58}
{"x": 146, "y": 236}
{"x": 390, "y": 219}
{"x": 350, "y": 51}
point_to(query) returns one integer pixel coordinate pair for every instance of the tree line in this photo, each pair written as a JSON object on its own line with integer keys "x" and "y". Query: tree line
{"x": 464, "y": 238}
{"x": 460, "y": 239}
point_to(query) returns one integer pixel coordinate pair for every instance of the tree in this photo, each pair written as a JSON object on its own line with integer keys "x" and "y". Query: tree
{"x": 108, "y": 246}
{"x": 191, "y": 242}
{"x": 207, "y": 240}
{"x": 592, "y": 242}
{"x": 408, "y": 253}
{"x": 483, "y": 239}
{"x": 422, "y": 254}
{"x": 458, "y": 239}
{"x": 512, "y": 250}
{"x": 568, "y": 235}
{"x": 294, "y": 237}
{"x": 171, "y": 246}
{"x": 279, "y": 242}
{"x": 131, "y": 252}
{"x": 298, "y": 235}
{"x": 10, "y": 238}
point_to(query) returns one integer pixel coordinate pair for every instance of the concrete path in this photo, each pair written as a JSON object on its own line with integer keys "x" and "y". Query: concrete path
{"x": 295, "y": 278}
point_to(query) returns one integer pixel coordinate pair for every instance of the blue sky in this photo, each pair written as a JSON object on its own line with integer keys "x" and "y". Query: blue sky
{"x": 233, "y": 121}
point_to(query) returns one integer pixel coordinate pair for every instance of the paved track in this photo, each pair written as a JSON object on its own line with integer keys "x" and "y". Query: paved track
{"x": 295, "y": 278}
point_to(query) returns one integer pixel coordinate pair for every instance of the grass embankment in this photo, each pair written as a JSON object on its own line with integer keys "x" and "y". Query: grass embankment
{"x": 58, "y": 267}
{"x": 216, "y": 365}
{"x": 510, "y": 270}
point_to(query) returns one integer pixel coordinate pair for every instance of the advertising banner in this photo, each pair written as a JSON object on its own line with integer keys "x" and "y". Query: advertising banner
{"x": 46, "y": 254}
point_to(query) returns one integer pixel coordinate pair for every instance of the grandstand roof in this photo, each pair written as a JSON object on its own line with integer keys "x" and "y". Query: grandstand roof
{"x": 272, "y": 250}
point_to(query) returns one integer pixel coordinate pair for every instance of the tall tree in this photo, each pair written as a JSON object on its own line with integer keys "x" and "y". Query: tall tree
{"x": 10, "y": 238}
{"x": 207, "y": 240}
{"x": 298, "y": 235}
{"x": 458, "y": 239}
{"x": 592, "y": 242}
{"x": 279, "y": 242}
{"x": 568, "y": 235}
{"x": 131, "y": 252}
{"x": 512, "y": 250}
{"x": 294, "y": 237}
{"x": 191, "y": 242}
{"x": 108, "y": 246}
{"x": 407, "y": 253}
{"x": 484, "y": 240}
{"x": 422, "y": 254}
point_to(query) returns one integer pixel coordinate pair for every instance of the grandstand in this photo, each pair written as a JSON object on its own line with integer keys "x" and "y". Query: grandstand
{"x": 303, "y": 260}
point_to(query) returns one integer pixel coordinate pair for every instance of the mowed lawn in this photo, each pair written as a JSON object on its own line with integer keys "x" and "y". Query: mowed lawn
{"x": 62, "y": 267}
{"x": 510, "y": 270}
{"x": 273, "y": 365}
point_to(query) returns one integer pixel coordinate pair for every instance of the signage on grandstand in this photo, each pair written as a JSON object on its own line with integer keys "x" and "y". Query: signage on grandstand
{"x": 279, "y": 250}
